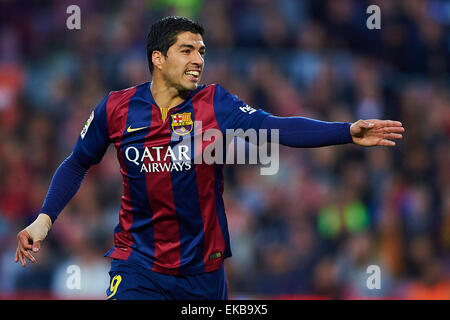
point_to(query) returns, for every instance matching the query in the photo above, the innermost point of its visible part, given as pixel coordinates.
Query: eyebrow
(190, 46)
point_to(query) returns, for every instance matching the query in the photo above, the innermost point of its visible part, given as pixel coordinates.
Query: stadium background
(308, 232)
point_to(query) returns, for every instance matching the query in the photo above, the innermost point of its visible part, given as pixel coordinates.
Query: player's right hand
(25, 245)
(29, 239)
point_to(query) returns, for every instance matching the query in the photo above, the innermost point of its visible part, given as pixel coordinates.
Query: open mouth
(192, 75)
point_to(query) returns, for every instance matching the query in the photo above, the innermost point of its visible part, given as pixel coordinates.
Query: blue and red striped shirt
(172, 216)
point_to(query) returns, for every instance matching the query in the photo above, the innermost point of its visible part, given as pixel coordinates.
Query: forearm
(65, 183)
(308, 133)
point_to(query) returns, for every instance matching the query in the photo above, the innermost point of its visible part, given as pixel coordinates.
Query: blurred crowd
(310, 231)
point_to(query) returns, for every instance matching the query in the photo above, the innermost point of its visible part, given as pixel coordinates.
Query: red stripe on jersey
(213, 238)
(166, 236)
(117, 112)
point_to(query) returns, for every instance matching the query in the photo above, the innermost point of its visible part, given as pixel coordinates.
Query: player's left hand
(374, 132)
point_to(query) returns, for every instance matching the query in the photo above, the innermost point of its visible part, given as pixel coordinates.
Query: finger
(16, 257)
(394, 129)
(21, 259)
(389, 123)
(28, 255)
(24, 240)
(386, 143)
(36, 246)
(392, 123)
(26, 246)
(386, 123)
(395, 136)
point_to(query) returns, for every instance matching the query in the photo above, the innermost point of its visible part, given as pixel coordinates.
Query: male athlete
(172, 235)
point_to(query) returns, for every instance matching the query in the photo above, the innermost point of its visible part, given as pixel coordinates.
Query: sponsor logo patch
(215, 255)
(87, 124)
(182, 123)
(129, 129)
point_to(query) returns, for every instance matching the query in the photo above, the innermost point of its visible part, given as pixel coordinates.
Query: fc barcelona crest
(182, 123)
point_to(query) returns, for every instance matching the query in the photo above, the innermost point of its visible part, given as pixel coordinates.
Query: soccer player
(172, 237)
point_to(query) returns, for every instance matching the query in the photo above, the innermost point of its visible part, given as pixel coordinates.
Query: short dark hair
(163, 34)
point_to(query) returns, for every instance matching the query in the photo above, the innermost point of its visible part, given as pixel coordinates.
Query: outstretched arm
(309, 133)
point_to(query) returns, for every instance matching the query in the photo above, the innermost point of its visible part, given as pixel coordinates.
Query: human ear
(157, 59)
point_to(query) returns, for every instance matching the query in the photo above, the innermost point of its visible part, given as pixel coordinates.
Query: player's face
(184, 63)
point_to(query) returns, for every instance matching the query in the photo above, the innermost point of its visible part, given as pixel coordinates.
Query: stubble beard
(182, 90)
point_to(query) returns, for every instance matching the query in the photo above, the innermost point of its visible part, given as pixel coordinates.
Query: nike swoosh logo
(135, 129)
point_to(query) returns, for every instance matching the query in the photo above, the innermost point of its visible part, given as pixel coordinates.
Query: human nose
(198, 59)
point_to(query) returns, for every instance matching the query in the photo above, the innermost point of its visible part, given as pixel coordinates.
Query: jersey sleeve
(309, 133)
(232, 113)
(94, 138)
(64, 185)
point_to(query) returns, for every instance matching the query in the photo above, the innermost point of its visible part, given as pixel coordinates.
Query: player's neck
(165, 96)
